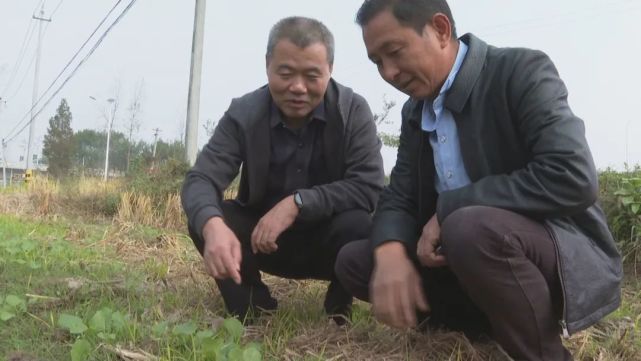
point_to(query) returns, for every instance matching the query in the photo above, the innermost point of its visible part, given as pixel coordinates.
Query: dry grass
(298, 330)
(93, 199)
(87, 198)
(135, 208)
(139, 209)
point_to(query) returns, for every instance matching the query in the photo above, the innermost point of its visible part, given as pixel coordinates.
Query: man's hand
(396, 289)
(272, 224)
(428, 245)
(222, 252)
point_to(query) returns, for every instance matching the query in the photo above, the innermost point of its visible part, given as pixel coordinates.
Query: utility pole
(109, 125)
(193, 102)
(4, 156)
(627, 132)
(34, 98)
(4, 163)
(156, 131)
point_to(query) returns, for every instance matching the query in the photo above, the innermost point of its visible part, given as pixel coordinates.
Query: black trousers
(501, 279)
(307, 250)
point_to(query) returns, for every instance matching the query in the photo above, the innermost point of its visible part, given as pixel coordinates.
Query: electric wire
(23, 49)
(11, 136)
(66, 66)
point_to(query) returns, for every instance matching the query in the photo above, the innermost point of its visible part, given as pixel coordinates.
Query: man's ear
(442, 28)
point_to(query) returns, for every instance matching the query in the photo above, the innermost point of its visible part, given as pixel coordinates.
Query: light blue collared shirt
(439, 123)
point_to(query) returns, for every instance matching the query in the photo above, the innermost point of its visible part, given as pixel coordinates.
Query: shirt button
(450, 175)
(300, 145)
(298, 170)
(442, 139)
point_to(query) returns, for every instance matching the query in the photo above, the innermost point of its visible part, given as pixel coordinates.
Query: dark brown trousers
(307, 250)
(501, 279)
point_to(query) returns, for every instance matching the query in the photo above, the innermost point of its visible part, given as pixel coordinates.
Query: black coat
(242, 137)
(524, 151)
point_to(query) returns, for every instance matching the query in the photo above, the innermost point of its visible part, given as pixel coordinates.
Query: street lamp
(110, 121)
(110, 124)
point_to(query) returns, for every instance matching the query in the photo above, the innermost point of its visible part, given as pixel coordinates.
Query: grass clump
(104, 271)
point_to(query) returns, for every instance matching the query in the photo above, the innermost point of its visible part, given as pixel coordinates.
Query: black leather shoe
(338, 303)
(244, 301)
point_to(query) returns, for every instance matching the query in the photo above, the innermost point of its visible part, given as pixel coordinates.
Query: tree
(90, 149)
(391, 140)
(58, 142)
(133, 123)
(210, 127)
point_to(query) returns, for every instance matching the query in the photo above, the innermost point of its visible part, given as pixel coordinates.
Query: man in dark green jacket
(311, 175)
(490, 223)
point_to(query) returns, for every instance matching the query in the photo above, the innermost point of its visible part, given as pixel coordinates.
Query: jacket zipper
(563, 320)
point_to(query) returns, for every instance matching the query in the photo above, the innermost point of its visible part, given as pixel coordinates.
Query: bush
(621, 200)
(159, 182)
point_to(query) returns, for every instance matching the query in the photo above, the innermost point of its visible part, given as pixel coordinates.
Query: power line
(56, 8)
(82, 46)
(24, 77)
(26, 72)
(70, 61)
(23, 49)
(91, 51)
(36, 79)
(39, 5)
(558, 19)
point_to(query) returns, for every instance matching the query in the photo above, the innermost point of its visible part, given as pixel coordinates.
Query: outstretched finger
(237, 257)
(231, 268)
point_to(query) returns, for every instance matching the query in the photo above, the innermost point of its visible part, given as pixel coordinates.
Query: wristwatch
(298, 200)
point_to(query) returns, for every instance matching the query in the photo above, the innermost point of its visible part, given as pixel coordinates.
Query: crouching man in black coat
(491, 218)
(311, 175)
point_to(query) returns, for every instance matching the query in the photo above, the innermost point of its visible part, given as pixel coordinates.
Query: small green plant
(106, 327)
(626, 221)
(11, 306)
(156, 269)
(221, 344)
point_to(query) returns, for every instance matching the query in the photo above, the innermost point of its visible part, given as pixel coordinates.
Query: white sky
(594, 43)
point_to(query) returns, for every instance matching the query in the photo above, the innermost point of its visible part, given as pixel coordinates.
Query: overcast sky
(594, 43)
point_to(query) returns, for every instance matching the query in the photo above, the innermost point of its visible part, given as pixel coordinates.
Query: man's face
(298, 78)
(416, 64)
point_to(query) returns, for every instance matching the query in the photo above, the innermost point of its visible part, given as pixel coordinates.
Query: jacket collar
(254, 110)
(469, 73)
(276, 115)
(465, 80)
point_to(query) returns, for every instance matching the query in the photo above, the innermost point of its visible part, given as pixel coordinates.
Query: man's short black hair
(302, 32)
(413, 13)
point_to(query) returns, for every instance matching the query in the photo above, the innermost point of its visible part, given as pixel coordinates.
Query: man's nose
(389, 71)
(298, 85)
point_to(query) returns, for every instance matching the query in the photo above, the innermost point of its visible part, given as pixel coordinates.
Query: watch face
(298, 200)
